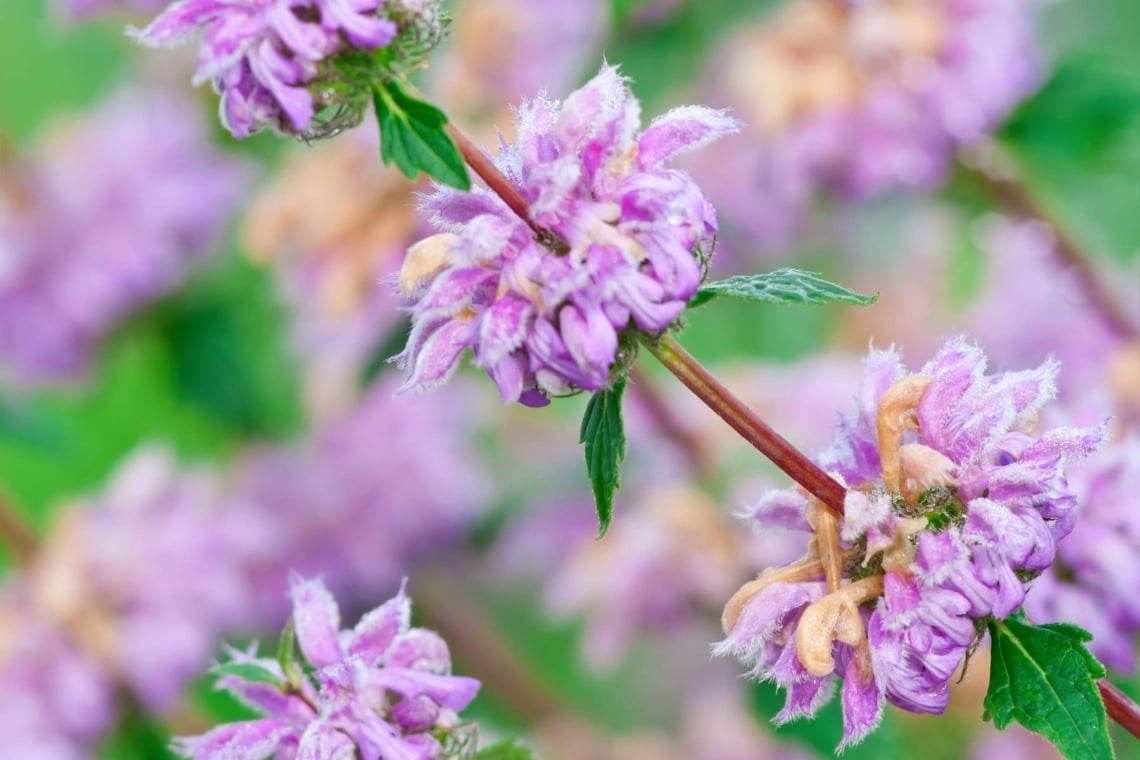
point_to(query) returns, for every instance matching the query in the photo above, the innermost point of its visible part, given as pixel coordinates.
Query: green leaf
(1084, 112)
(1043, 677)
(784, 286)
(210, 364)
(505, 750)
(287, 655)
(603, 432)
(247, 671)
(412, 136)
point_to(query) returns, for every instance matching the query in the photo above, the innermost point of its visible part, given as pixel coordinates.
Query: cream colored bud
(424, 260)
(922, 467)
(896, 416)
(834, 618)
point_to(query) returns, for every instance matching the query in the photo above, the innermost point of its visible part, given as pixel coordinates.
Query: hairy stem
(15, 532)
(1120, 708)
(745, 422)
(1018, 199)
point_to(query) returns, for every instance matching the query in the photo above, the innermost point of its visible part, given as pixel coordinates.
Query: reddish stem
(744, 421)
(1120, 708)
(495, 179)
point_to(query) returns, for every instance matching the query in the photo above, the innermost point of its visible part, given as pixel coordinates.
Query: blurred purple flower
(106, 216)
(380, 690)
(57, 700)
(861, 98)
(130, 590)
(543, 320)
(1098, 570)
(393, 480)
(272, 60)
(955, 505)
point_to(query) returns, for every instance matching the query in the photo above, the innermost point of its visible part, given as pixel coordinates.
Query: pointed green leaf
(784, 286)
(247, 671)
(412, 136)
(1043, 677)
(603, 432)
(505, 750)
(287, 655)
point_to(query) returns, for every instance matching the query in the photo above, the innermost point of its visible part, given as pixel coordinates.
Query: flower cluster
(299, 66)
(858, 98)
(621, 246)
(107, 215)
(380, 690)
(956, 504)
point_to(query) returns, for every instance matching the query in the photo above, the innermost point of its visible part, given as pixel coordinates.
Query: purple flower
(381, 690)
(106, 216)
(624, 245)
(273, 61)
(956, 503)
(856, 99)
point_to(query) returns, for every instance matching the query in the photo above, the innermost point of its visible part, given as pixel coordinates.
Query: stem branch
(1002, 183)
(1120, 708)
(744, 421)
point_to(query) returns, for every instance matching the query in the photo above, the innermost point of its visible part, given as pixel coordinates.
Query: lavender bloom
(630, 243)
(1098, 568)
(381, 690)
(106, 216)
(276, 62)
(956, 503)
(57, 700)
(856, 99)
(335, 505)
